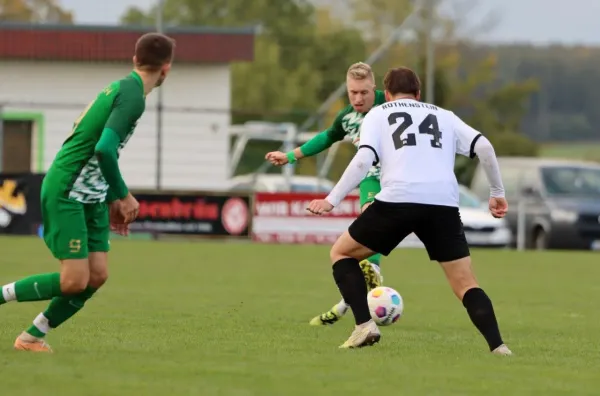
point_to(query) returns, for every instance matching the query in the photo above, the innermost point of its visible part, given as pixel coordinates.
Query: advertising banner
(283, 218)
(20, 211)
(193, 214)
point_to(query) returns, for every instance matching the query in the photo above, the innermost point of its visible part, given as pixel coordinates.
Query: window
(578, 181)
(16, 147)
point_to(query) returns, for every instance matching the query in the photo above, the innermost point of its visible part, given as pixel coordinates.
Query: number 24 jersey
(416, 144)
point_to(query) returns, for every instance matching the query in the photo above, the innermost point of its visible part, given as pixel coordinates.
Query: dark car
(559, 198)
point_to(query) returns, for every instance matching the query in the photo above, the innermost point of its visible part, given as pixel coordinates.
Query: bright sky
(537, 21)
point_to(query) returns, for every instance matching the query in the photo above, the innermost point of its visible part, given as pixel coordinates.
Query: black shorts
(383, 225)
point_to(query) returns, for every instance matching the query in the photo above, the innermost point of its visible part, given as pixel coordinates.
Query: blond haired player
(363, 96)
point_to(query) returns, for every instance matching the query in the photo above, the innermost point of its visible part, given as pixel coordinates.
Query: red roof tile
(115, 44)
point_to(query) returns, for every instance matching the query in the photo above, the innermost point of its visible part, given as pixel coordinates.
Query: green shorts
(72, 229)
(369, 187)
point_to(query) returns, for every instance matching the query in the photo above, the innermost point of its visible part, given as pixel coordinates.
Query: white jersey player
(416, 144)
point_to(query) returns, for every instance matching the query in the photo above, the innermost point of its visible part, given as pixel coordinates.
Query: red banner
(283, 218)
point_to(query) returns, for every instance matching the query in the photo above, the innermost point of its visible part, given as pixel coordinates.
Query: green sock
(375, 259)
(59, 311)
(33, 288)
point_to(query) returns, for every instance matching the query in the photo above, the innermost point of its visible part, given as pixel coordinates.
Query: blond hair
(360, 71)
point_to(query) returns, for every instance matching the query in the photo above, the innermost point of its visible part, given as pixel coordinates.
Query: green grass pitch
(196, 318)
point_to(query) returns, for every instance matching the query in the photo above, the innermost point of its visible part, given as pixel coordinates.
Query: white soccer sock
(341, 308)
(42, 323)
(8, 292)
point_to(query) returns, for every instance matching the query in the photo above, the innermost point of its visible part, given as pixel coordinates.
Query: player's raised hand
(129, 209)
(277, 158)
(498, 207)
(319, 206)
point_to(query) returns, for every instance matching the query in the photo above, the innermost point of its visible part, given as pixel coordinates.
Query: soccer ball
(386, 305)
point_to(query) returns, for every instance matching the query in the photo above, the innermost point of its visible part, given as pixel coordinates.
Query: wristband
(291, 157)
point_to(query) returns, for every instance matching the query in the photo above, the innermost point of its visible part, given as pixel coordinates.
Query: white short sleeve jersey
(416, 144)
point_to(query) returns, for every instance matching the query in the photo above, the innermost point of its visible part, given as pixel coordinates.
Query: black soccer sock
(351, 282)
(481, 311)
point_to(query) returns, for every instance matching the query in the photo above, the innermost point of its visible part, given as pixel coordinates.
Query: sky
(535, 21)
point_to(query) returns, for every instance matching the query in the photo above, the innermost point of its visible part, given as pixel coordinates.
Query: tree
(377, 19)
(470, 87)
(300, 55)
(34, 11)
(565, 107)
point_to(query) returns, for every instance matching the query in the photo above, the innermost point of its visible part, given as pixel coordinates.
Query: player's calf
(345, 256)
(474, 299)
(98, 266)
(65, 307)
(373, 279)
(72, 279)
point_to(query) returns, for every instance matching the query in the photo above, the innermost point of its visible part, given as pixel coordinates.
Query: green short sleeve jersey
(75, 171)
(348, 122)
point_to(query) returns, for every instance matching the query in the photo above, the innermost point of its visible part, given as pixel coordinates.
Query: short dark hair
(402, 80)
(153, 51)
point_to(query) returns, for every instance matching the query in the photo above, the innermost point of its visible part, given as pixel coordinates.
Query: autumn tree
(294, 63)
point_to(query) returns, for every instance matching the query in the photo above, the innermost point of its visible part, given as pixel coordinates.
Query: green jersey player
(83, 193)
(360, 83)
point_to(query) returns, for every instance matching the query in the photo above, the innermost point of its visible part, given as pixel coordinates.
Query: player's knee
(335, 256)
(73, 284)
(460, 276)
(74, 276)
(98, 277)
(346, 247)
(337, 251)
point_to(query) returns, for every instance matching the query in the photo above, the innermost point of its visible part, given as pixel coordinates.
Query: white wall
(195, 144)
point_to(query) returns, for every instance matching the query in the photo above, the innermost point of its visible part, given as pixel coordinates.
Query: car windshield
(572, 181)
(468, 200)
